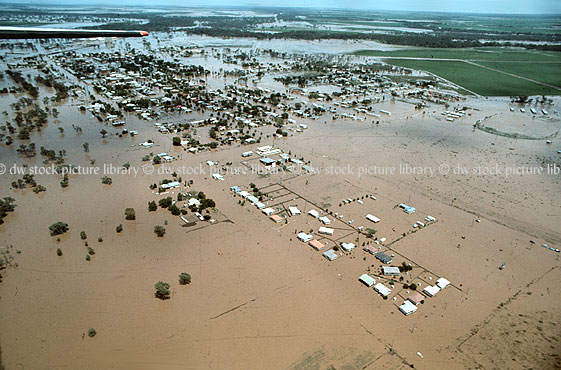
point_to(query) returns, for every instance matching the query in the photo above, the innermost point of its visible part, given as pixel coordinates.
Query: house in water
(382, 289)
(384, 258)
(372, 218)
(276, 218)
(305, 237)
(367, 280)
(431, 290)
(313, 213)
(390, 270)
(316, 244)
(330, 255)
(407, 308)
(294, 211)
(325, 230)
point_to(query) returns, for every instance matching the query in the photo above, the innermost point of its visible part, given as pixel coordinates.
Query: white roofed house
(431, 290)
(193, 202)
(390, 270)
(442, 283)
(348, 246)
(330, 255)
(313, 213)
(325, 220)
(372, 218)
(407, 308)
(382, 289)
(367, 280)
(325, 230)
(294, 211)
(268, 211)
(304, 237)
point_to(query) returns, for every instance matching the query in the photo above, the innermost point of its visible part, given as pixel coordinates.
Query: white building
(407, 308)
(325, 220)
(330, 255)
(442, 283)
(305, 237)
(372, 218)
(294, 211)
(313, 213)
(431, 290)
(326, 230)
(382, 289)
(367, 280)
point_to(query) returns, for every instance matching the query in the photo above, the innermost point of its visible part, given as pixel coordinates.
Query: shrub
(83, 235)
(152, 206)
(413, 286)
(162, 290)
(58, 228)
(119, 228)
(59, 252)
(106, 180)
(91, 251)
(176, 141)
(130, 214)
(159, 230)
(91, 332)
(88, 258)
(100, 239)
(184, 278)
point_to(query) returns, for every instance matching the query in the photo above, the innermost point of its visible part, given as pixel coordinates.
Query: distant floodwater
(281, 45)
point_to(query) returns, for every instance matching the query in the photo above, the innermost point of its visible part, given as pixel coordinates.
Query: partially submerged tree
(58, 228)
(159, 230)
(162, 290)
(130, 214)
(184, 278)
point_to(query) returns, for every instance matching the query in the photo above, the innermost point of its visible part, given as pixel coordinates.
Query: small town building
(382, 289)
(367, 280)
(276, 218)
(326, 230)
(372, 218)
(431, 290)
(316, 244)
(384, 258)
(407, 308)
(330, 255)
(390, 270)
(305, 237)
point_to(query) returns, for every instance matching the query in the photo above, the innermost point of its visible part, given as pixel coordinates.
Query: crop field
(473, 54)
(469, 68)
(549, 73)
(477, 79)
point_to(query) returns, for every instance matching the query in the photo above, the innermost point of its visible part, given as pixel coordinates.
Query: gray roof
(384, 258)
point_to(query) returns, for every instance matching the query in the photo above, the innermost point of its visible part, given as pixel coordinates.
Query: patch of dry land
(259, 297)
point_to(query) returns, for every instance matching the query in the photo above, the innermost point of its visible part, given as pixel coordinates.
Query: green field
(478, 79)
(549, 73)
(541, 66)
(475, 54)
